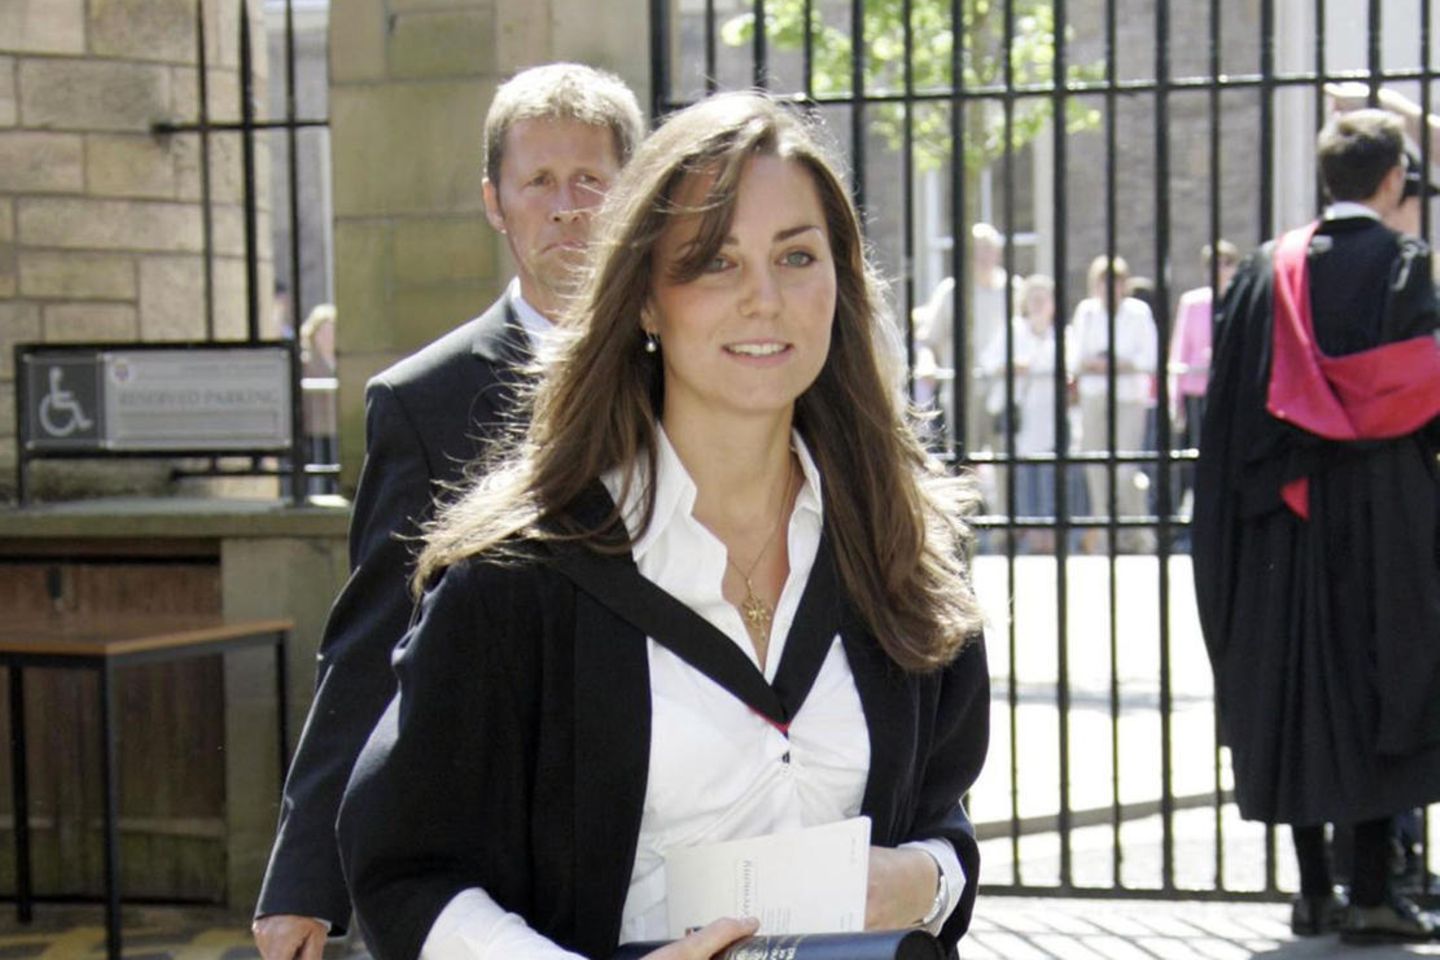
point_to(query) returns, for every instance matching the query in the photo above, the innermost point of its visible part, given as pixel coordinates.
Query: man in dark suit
(1316, 530)
(555, 137)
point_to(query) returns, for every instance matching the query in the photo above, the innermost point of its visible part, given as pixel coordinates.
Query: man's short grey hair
(563, 91)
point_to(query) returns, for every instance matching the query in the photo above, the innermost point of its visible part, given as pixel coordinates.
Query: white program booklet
(803, 881)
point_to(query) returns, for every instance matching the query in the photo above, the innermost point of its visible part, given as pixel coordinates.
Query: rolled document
(874, 945)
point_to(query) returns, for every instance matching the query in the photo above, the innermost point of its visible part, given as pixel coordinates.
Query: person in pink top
(1190, 354)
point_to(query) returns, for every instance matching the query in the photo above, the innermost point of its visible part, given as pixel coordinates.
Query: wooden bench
(104, 644)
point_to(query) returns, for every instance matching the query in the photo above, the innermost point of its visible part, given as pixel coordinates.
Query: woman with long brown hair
(717, 591)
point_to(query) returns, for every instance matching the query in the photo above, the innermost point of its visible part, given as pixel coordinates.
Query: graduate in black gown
(718, 591)
(1315, 530)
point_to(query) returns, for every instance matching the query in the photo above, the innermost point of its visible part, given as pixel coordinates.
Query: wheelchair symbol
(60, 413)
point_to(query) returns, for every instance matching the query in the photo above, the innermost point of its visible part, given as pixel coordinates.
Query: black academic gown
(1324, 633)
(515, 756)
(426, 420)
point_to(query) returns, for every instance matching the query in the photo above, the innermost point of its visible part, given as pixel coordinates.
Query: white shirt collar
(537, 326)
(675, 491)
(1347, 209)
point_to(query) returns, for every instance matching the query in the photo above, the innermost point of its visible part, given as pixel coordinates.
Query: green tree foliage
(983, 61)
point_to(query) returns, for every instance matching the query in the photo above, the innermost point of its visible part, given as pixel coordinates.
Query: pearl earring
(652, 342)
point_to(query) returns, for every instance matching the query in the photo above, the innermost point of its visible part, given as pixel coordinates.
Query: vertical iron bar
(299, 448)
(857, 98)
(807, 49)
(959, 266)
(1162, 421)
(207, 215)
(1216, 68)
(1060, 99)
(712, 82)
(1320, 78)
(1111, 302)
(1267, 119)
(760, 69)
(20, 793)
(247, 155)
(660, 56)
(907, 182)
(1426, 154)
(1374, 54)
(1267, 228)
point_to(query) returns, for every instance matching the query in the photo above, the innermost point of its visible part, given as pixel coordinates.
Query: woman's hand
(708, 940)
(901, 889)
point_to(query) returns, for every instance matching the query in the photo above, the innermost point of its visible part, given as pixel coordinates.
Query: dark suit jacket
(516, 756)
(425, 418)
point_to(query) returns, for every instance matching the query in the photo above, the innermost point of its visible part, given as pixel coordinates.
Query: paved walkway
(1005, 928)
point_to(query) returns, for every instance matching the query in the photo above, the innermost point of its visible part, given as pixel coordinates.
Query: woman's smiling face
(752, 331)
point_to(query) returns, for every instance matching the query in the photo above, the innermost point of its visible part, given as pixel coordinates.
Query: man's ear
(493, 212)
(1395, 185)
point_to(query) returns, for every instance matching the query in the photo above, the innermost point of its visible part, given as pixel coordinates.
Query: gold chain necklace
(756, 611)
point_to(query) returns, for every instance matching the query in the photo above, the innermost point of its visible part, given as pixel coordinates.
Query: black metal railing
(318, 476)
(1085, 49)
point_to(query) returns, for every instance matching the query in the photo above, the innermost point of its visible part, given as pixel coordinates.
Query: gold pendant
(755, 610)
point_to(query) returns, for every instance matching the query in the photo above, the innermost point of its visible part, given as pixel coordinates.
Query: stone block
(420, 314)
(84, 322)
(228, 223)
(222, 94)
(412, 6)
(523, 39)
(357, 42)
(130, 165)
(143, 30)
(7, 220)
(76, 223)
(32, 162)
(362, 279)
(408, 148)
(611, 42)
(434, 250)
(7, 92)
(19, 323)
(446, 43)
(43, 26)
(7, 413)
(232, 308)
(74, 94)
(172, 298)
(77, 276)
(356, 369)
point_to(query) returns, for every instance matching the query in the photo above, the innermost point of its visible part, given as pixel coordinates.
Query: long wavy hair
(894, 519)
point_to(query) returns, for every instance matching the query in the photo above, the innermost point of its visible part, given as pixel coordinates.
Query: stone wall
(100, 219)
(410, 83)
